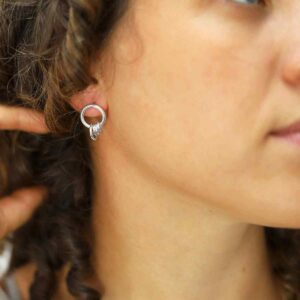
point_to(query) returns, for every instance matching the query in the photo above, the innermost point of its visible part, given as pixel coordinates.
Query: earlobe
(91, 95)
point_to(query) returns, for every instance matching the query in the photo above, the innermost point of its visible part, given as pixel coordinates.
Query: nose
(291, 43)
(291, 66)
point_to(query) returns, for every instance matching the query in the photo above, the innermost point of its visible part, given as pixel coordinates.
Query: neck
(151, 242)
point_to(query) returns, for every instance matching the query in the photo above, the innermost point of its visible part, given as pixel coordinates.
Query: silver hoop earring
(96, 128)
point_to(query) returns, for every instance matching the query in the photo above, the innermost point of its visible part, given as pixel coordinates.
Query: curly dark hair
(42, 69)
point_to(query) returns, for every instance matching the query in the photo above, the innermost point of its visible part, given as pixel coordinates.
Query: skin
(18, 207)
(186, 171)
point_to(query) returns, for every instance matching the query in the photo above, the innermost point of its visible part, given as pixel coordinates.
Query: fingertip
(32, 195)
(43, 128)
(44, 191)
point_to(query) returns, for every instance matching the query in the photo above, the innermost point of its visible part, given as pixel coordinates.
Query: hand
(18, 207)
(19, 118)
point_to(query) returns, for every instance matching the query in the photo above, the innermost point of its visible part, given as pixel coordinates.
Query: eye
(247, 8)
(250, 2)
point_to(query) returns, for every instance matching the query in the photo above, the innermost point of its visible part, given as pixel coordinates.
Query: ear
(91, 95)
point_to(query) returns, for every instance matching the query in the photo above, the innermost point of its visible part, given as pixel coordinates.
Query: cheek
(187, 95)
(186, 111)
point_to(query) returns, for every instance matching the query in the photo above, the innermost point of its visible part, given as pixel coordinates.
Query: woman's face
(198, 86)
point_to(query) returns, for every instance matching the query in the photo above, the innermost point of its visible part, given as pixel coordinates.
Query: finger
(20, 118)
(18, 207)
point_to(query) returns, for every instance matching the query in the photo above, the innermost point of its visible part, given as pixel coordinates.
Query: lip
(291, 129)
(290, 133)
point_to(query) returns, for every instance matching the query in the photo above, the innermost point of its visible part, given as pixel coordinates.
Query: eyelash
(261, 3)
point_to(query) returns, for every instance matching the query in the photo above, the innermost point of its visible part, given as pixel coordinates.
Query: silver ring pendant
(96, 128)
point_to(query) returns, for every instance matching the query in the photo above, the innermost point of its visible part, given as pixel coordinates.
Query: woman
(192, 190)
